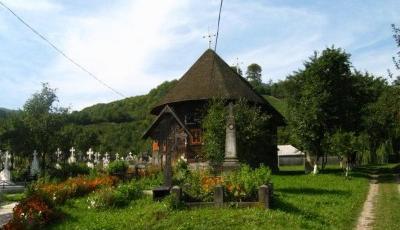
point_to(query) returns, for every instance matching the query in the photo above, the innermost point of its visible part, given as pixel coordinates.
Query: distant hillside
(278, 104)
(6, 112)
(119, 125)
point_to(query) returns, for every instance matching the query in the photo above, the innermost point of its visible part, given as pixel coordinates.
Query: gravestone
(230, 162)
(58, 154)
(89, 163)
(106, 161)
(72, 159)
(97, 157)
(5, 174)
(35, 170)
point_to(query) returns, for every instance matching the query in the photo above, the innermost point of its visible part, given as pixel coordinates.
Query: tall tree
(253, 76)
(43, 119)
(321, 101)
(396, 61)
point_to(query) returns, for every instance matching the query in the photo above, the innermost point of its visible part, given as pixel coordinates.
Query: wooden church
(177, 131)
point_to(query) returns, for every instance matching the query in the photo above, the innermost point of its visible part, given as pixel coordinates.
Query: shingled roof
(211, 77)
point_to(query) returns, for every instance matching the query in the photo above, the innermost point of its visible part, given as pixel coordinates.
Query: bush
(243, 184)
(19, 174)
(31, 213)
(181, 171)
(152, 181)
(196, 186)
(117, 167)
(69, 170)
(115, 197)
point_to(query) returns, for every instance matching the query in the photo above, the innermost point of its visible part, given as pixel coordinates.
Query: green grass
(325, 201)
(11, 197)
(387, 211)
(279, 104)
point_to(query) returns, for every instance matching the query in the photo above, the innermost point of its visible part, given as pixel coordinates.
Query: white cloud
(36, 5)
(117, 45)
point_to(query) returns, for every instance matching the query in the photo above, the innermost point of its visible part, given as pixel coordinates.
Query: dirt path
(366, 218)
(6, 213)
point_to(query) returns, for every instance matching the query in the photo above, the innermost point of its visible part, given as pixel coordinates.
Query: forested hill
(5, 112)
(116, 126)
(126, 110)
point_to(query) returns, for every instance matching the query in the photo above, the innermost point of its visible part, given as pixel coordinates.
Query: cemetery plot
(301, 202)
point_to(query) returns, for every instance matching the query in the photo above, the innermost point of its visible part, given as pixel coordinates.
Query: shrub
(69, 170)
(117, 167)
(214, 133)
(243, 184)
(149, 182)
(181, 171)
(195, 187)
(31, 213)
(115, 197)
(19, 174)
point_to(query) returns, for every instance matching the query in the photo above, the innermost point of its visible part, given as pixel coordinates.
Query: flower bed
(241, 185)
(73, 187)
(39, 208)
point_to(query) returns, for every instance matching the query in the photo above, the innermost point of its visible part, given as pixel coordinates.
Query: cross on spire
(209, 36)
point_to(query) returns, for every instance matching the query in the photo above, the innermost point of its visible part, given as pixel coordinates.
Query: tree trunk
(309, 162)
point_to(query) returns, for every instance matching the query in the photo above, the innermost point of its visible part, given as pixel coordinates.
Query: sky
(135, 45)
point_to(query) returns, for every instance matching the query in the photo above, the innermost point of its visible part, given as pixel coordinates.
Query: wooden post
(218, 195)
(264, 196)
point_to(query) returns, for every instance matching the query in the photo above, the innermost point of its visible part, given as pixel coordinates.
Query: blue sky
(134, 45)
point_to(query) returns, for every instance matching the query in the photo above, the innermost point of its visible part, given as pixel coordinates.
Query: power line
(219, 19)
(61, 52)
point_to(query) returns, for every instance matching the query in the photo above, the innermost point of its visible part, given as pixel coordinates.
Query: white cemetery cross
(58, 154)
(72, 158)
(106, 161)
(5, 174)
(89, 162)
(35, 170)
(90, 153)
(129, 157)
(97, 158)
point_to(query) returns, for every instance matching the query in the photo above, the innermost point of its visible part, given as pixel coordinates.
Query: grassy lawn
(7, 198)
(325, 201)
(387, 211)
